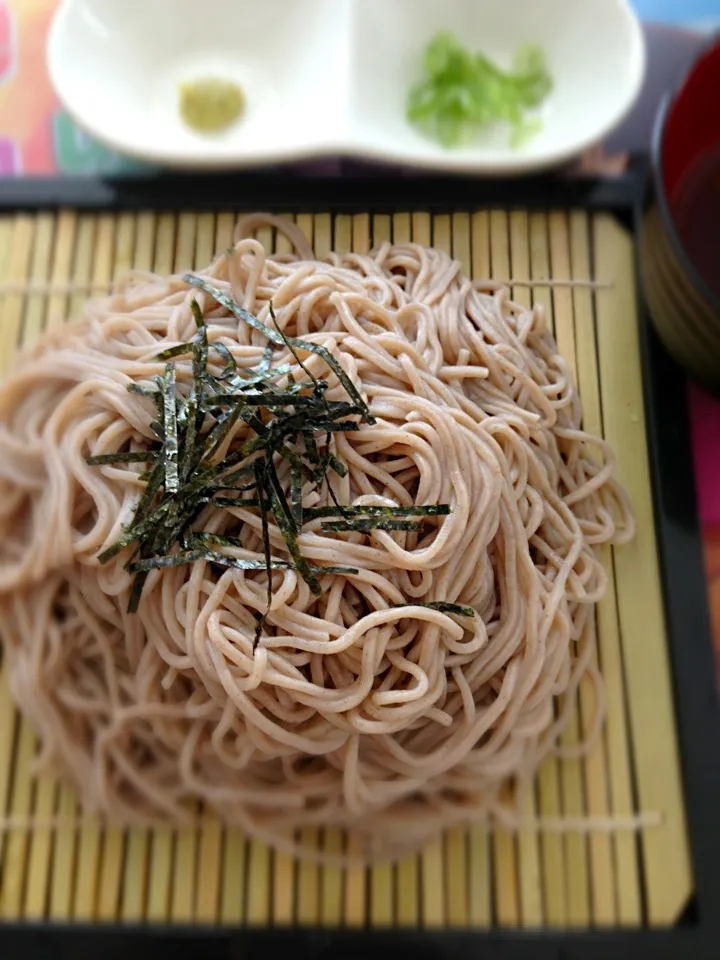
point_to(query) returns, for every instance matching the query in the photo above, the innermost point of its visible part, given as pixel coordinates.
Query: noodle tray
(613, 845)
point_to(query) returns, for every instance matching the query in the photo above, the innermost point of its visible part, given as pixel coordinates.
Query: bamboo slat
(479, 843)
(571, 770)
(506, 881)
(554, 877)
(161, 843)
(136, 241)
(407, 883)
(73, 263)
(94, 856)
(57, 865)
(16, 739)
(602, 887)
(451, 234)
(637, 580)
(260, 864)
(531, 906)
(431, 885)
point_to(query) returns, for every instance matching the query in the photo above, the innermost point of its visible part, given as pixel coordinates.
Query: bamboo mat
(603, 840)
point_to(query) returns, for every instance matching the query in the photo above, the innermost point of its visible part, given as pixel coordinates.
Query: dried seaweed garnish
(259, 467)
(190, 422)
(430, 510)
(204, 536)
(230, 368)
(296, 507)
(170, 446)
(198, 463)
(277, 337)
(228, 480)
(310, 446)
(191, 556)
(219, 433)
(130, 456)
(232, 502)
(367, 524)
(264, 365)
(333, 426)
(172, 353)
(138, 388)
(136, 532)
(277, 494)
(136, 590)
(285, 525)
(154, 482)
(268, 400)
(197, 315)
(443, 606)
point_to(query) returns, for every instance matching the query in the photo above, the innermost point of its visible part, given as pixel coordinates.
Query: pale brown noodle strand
(390, 723)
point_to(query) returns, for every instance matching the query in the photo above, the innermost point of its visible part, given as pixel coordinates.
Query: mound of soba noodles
(357, 707)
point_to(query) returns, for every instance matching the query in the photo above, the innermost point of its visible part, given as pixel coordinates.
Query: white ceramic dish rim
(354, 149)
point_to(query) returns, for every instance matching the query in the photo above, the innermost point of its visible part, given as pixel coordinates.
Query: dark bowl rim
(661, 196)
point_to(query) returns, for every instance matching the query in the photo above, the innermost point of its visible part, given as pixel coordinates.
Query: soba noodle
(393, 723)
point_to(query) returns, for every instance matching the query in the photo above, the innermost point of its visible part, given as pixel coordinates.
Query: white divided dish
(327, 77)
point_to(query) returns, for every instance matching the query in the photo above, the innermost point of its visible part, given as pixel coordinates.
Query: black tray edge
(286, 191)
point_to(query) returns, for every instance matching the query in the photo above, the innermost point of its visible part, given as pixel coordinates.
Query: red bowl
(680, 242)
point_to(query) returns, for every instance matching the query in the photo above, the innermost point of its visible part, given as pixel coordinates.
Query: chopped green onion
(463, 93)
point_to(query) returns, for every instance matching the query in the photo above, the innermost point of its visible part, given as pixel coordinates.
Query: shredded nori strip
(277, 494)
(191, 427)
(269, 400)
(286, 529)
(296, 507)
(135, 532)
(197, 314)
(150, 392)
(155, 480)
(172, 353)
(136, 590)
(231, 502)
(199, 352)
(259, 482)
(430, 510)
(333, 426)
(280, 339)
(190, 556)
(219, 432)
(203, 536)
(230, 368)
(135, 456)
(367, 524)
(310, 446)
(266, 361)
(170, 447)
